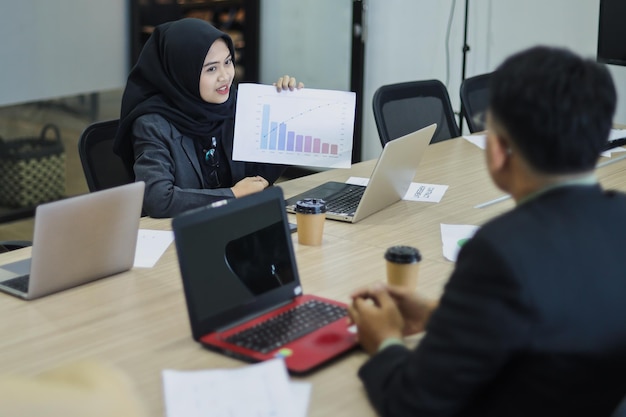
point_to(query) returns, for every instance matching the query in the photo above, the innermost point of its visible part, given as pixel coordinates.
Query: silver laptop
(78, 240)
(389, 182)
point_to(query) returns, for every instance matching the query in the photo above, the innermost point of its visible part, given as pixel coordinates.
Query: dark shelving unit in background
(238, 18)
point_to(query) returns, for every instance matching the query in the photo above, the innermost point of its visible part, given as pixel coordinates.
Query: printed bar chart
(303, 127)
(286, 138)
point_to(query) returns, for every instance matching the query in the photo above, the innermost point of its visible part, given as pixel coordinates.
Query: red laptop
(242, 287)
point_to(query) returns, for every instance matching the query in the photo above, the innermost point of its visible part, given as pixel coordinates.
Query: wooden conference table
(138, 320)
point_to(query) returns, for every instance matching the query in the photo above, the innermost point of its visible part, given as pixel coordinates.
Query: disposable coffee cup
(310, 216)
(402, 266)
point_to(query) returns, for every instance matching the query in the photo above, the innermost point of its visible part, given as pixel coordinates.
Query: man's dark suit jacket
(531, 323)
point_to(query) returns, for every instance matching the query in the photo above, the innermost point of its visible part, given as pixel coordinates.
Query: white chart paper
(305, 127)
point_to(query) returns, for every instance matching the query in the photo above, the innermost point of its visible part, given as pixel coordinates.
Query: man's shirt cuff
(390, 341)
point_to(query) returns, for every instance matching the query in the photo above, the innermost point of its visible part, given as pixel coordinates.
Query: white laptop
(78, 240)
(389, 182)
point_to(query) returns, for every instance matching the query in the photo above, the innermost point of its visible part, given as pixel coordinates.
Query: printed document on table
(260, 390)
(454, 236)
(151, 244)
(478, 140)
(306, 127)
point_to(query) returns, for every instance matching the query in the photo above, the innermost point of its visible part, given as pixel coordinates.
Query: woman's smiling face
(217, 73)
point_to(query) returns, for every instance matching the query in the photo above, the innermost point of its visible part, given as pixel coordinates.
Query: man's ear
(499, 152)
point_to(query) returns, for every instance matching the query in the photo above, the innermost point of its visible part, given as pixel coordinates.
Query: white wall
(309, 39)
(407, 41)
(619, 76)
(61, 48)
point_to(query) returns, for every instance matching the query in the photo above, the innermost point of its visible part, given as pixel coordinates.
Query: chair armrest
(9, 245)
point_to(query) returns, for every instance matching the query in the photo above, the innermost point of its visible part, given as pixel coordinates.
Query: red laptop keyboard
(288, 326)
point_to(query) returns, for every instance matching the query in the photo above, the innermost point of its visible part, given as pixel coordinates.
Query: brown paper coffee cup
(310, 217)
(402, 266)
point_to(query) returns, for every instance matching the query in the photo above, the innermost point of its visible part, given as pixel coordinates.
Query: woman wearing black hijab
(177, 121)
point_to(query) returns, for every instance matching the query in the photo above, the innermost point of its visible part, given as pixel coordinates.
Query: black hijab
(166, 81)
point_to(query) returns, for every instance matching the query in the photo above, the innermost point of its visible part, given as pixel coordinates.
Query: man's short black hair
(557, 107)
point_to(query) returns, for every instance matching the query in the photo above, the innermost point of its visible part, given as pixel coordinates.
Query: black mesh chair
(474, 101)
(403, 108)
(103, 168)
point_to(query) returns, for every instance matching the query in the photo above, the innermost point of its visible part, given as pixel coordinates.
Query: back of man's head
(556, 106)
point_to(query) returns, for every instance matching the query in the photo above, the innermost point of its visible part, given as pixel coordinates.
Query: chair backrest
(102, 167)
(403, 108)
(474, 101)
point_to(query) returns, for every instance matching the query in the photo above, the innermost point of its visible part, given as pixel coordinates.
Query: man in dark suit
(533, 319)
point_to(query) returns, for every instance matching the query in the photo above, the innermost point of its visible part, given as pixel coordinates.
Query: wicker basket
(32, 170)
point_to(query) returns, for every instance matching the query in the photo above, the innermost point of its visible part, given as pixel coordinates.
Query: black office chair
(474, 101)
(9, 245)
(403, 108)
(102, 167)
(621, 409)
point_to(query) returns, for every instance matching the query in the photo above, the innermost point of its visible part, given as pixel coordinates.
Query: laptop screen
(259, 259)
(236, 259)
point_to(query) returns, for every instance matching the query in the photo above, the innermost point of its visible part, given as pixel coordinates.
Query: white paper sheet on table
(481, 141)
(610, 152)
(308, 127)
(478, 140)
(151, 244)
(260, 390)
(615, 134)
(430, 193)
(358, 181)
(453, 237)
